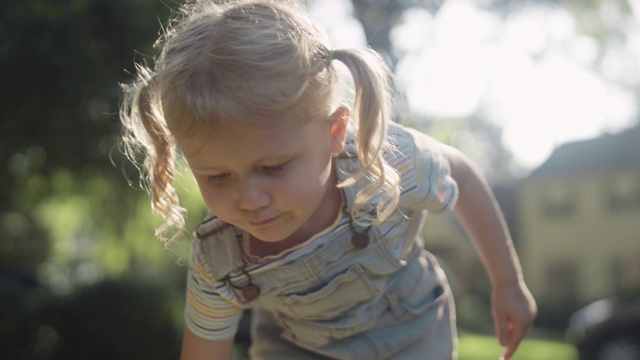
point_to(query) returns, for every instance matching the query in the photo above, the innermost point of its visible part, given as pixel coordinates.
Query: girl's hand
(514, 310)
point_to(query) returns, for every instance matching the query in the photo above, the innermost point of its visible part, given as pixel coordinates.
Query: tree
(61, 62)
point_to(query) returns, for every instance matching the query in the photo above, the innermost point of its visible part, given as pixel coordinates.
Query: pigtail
(149, 145)
(372, 110)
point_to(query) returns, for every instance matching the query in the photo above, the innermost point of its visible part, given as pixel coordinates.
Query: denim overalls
(345, 295)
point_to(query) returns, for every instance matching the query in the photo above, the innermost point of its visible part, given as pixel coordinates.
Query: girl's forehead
(202, 128)
(274, 138)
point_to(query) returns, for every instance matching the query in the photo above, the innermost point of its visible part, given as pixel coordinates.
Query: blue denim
(339, 301)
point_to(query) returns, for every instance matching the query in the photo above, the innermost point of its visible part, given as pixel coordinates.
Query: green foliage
(60, 63)
(63, 61)
(97, 226)
(65, 211)
(67, 215)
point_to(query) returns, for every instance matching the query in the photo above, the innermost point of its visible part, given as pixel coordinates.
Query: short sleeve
(208, 313)
(425, 173)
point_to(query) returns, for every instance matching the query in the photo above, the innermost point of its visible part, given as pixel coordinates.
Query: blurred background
(542, 95)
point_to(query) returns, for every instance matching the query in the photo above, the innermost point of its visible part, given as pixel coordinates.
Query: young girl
(315, 209)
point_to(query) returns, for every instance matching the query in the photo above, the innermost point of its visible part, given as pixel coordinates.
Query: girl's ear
(339, 120)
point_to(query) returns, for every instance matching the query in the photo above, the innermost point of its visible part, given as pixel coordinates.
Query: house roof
(607, 152)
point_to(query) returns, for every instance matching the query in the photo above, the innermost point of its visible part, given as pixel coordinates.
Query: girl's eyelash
(218, 177)
(267, 169)
(273, 168)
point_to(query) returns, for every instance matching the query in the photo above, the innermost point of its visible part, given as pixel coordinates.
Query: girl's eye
(217, 177)
(273, 169)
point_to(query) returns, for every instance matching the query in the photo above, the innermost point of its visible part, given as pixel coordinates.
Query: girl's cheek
(289, 185)
(210, 196)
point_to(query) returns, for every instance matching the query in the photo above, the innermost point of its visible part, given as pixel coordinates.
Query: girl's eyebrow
(275, 159)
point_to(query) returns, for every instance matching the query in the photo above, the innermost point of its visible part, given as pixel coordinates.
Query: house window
(560, 200)
(622, 193)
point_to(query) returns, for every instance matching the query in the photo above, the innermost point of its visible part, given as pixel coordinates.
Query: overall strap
(348, 164)
(220, 246)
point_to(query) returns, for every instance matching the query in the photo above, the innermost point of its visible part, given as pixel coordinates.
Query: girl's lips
(264, 222)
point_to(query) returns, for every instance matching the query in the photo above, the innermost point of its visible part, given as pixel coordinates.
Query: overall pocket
(343, 293)
(346, 306)
(423, 288)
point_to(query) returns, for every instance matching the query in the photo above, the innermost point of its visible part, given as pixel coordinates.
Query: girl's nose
(253, 195)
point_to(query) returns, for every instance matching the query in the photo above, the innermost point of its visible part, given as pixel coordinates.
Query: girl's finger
(502, 328)
(517, 333)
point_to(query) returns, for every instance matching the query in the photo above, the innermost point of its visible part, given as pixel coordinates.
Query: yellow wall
(573, 243)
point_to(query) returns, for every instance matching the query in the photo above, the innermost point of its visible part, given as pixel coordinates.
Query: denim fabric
(342, 302)
(399, 324)
(331, 299)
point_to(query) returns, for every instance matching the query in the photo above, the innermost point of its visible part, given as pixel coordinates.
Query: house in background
(575, 222)
(579, 221)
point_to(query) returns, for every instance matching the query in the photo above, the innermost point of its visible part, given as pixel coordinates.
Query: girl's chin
(268, 237)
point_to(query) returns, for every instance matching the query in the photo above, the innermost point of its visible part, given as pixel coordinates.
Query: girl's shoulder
(410, 144)
(423, 167)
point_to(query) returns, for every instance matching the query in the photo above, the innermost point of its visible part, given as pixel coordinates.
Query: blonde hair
(249, 63)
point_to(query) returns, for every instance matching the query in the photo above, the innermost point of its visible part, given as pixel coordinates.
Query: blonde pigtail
(145, 135)
(372, 112)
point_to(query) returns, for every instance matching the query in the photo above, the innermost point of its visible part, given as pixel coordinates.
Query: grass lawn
(481, 347)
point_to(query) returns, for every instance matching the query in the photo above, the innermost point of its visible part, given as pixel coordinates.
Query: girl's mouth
(263, 222)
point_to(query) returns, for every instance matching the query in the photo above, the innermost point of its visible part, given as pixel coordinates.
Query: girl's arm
(195, 348)
(513, 306)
